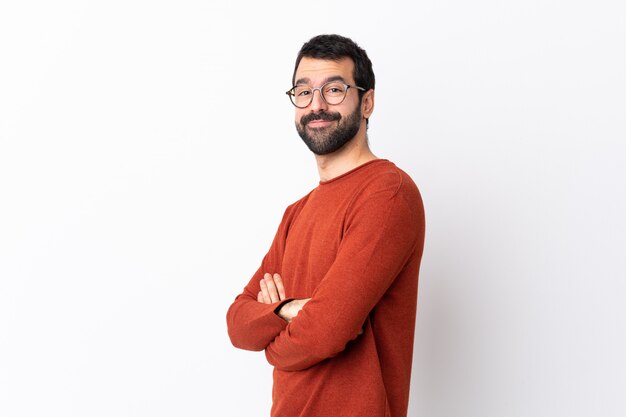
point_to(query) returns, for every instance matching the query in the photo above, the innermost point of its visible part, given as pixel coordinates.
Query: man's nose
(317, 102)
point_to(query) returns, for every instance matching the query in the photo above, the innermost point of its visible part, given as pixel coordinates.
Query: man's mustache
(329, 117)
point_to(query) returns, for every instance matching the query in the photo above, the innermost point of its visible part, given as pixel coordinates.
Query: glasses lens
(302, 96)
(334, 93)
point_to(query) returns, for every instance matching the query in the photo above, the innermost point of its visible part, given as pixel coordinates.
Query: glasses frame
(291, 93)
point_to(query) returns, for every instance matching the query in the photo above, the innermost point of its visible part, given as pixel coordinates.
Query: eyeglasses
(332, 93)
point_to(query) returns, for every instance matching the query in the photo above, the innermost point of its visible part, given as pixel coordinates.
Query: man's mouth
(319, 123)
(320, 120)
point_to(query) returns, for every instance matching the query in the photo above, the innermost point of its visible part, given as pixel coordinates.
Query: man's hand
(273, 290)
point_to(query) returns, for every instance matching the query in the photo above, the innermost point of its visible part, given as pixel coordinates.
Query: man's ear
(367, 104)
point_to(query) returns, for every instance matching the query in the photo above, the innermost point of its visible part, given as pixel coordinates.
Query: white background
(147, 152)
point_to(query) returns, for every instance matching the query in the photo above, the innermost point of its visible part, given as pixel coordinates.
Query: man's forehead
(313, 70)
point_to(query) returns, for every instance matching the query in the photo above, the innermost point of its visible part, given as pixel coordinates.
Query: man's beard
(325, 140)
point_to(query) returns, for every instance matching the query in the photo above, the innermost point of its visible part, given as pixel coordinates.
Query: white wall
(147, 153)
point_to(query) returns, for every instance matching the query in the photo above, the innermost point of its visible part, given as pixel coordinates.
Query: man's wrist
(280, 310)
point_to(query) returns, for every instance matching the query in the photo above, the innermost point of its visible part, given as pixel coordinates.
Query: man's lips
(320, 123)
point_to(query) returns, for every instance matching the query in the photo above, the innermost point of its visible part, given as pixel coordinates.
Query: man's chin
(320, 146)
(318, 134)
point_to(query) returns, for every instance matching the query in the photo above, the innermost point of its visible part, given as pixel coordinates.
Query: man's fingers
(279, 286)
(271, 288)
(264, 291)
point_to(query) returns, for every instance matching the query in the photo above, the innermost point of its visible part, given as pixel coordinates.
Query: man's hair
(335, 47)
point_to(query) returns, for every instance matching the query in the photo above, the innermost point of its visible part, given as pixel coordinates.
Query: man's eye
(303, 92)
(334, 89)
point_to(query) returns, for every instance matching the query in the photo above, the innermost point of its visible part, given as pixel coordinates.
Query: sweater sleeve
(253, 325)
(380, 235)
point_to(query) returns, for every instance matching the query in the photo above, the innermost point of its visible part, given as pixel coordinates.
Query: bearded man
(333, 302)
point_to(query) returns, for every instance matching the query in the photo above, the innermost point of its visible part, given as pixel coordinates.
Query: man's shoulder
(388, 177)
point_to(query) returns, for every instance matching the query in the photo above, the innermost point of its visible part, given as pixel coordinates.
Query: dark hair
(335, 47)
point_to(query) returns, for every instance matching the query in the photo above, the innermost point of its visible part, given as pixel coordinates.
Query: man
(333, 303)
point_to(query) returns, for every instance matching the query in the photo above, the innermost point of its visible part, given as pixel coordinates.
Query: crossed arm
(263, 318)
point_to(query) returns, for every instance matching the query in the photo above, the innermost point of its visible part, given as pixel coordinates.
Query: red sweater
(353, 245)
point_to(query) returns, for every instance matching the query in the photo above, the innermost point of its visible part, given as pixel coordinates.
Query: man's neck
(353, 154)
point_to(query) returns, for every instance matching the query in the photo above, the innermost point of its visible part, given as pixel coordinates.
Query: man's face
(326, 128)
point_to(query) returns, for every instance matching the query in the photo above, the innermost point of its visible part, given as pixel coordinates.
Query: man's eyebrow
(306, 80)
(334, 78)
